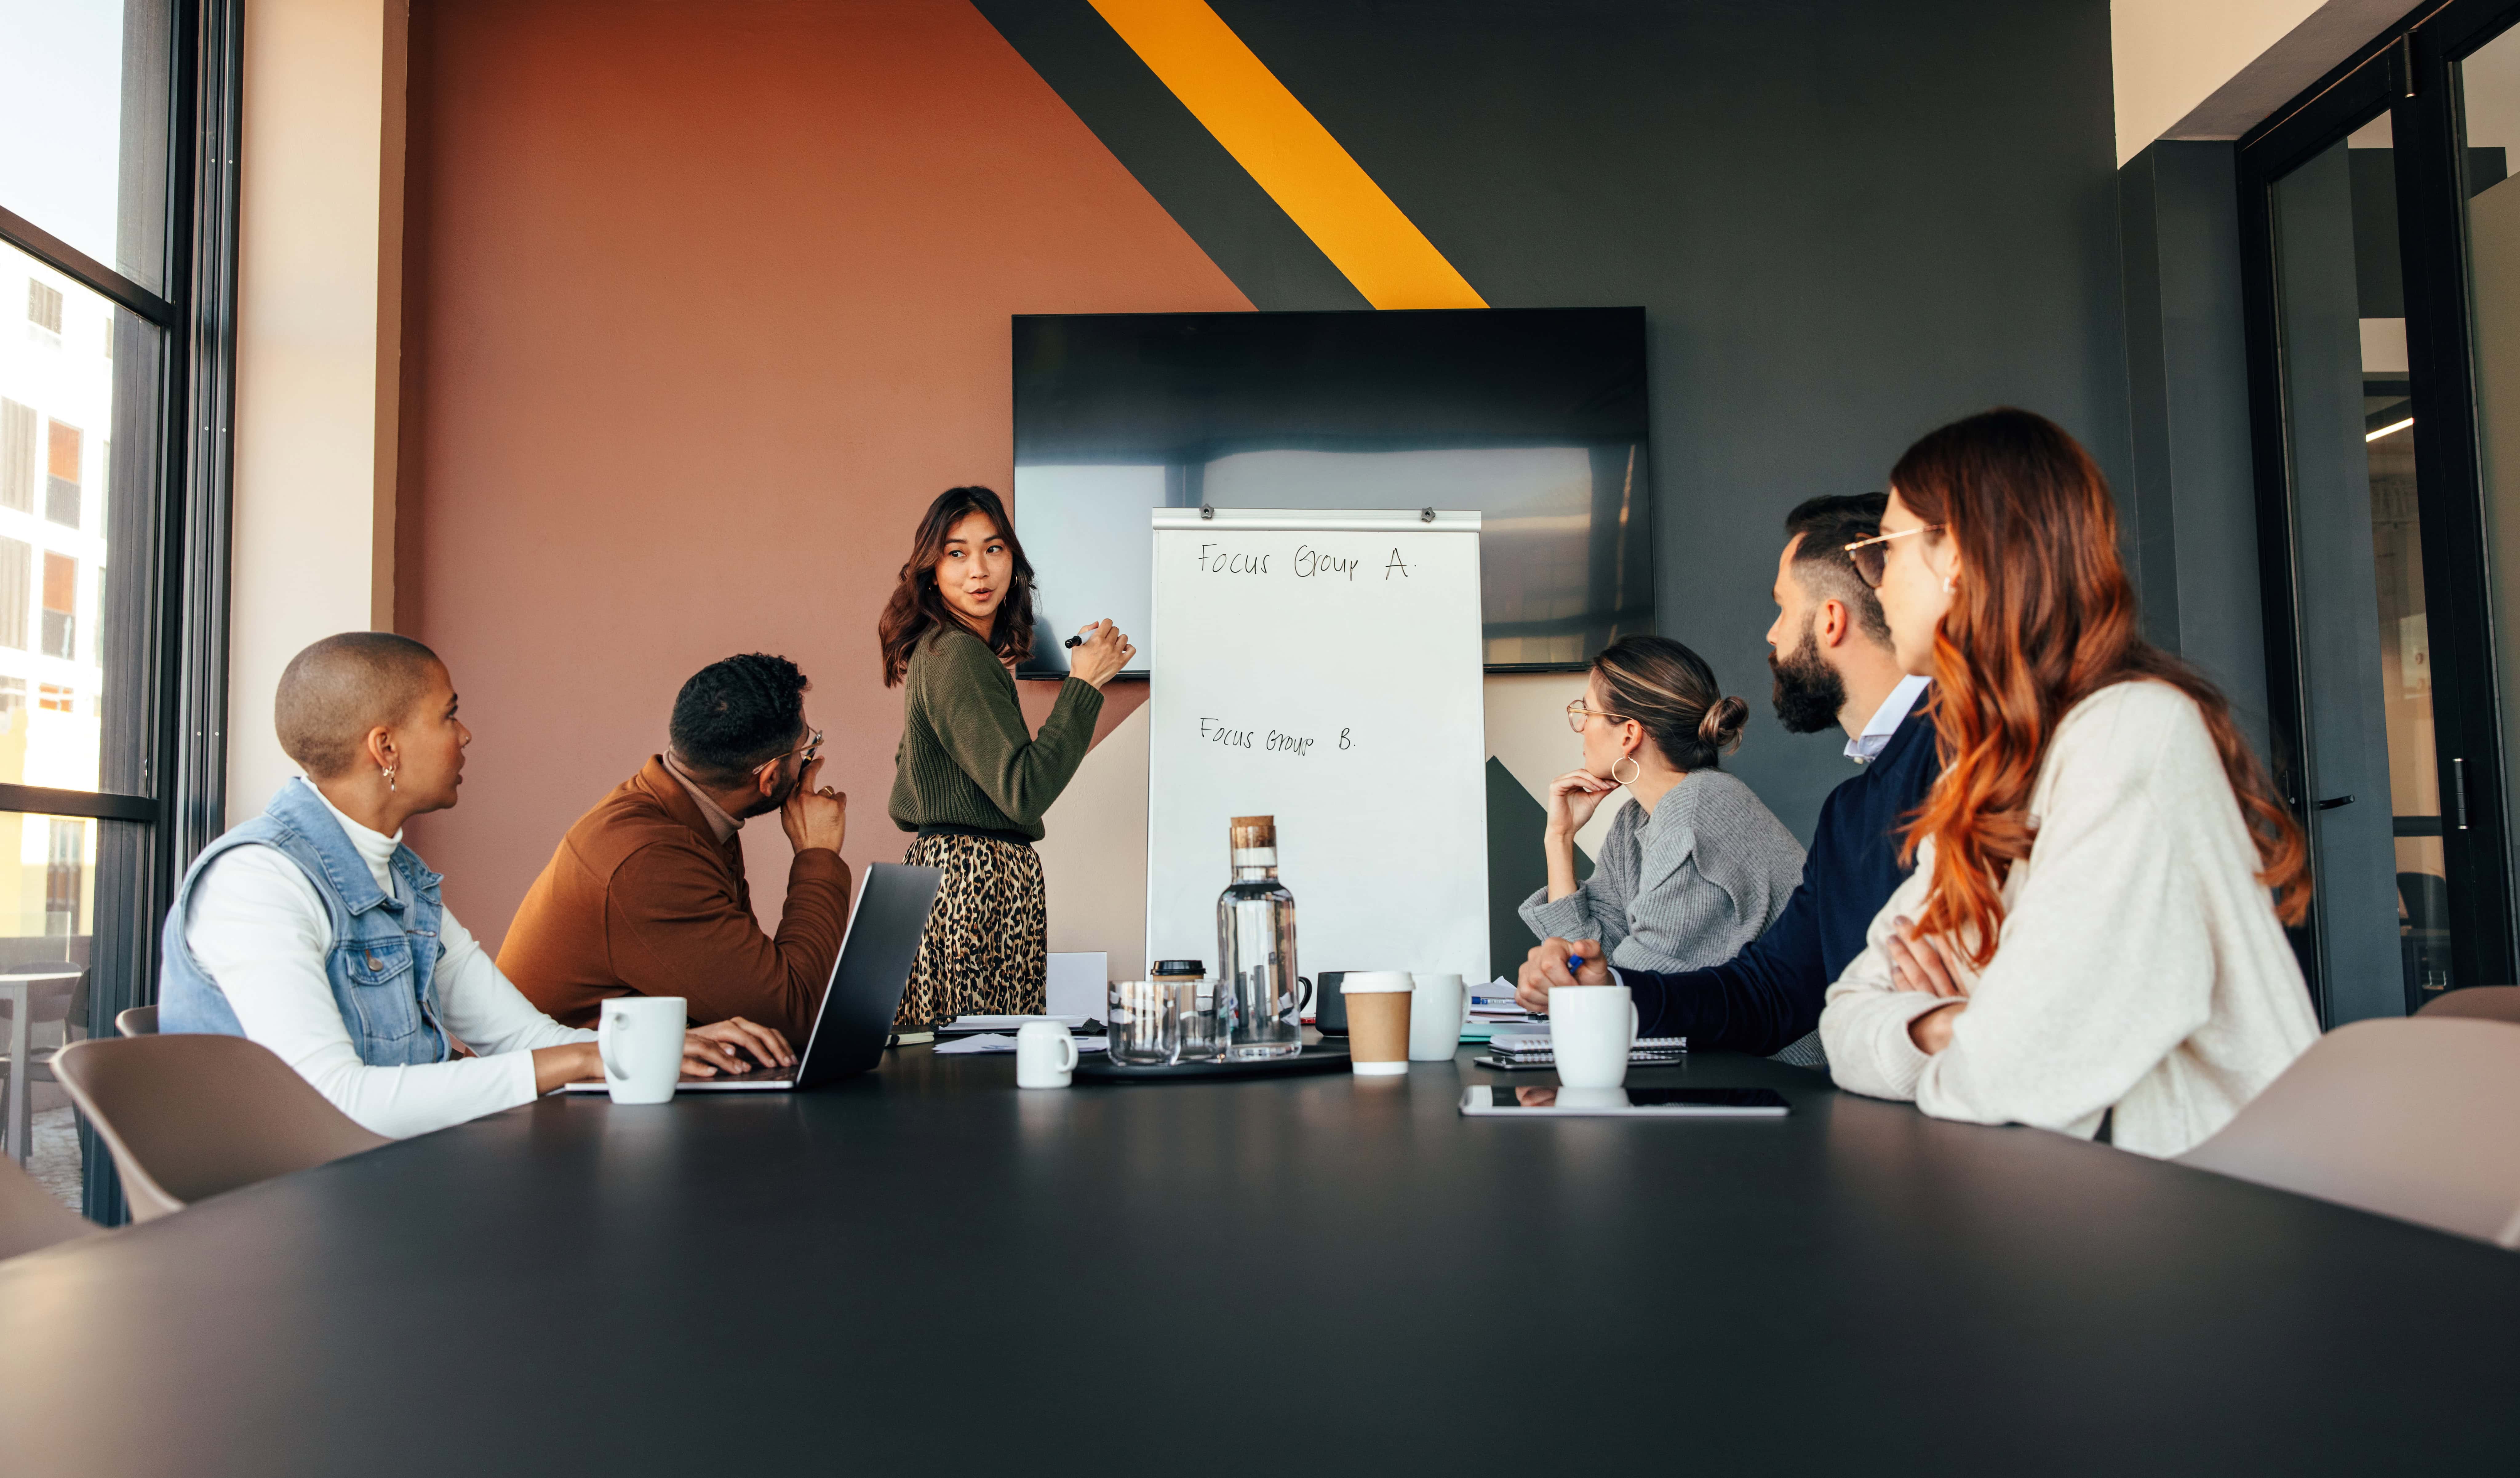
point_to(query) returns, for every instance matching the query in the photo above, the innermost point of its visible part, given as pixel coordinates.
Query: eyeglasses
(808, 749)
(1577, 713)
(1872, 560)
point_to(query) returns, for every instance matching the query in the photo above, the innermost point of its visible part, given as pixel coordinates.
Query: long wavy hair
(917, 607)
(2042, 617)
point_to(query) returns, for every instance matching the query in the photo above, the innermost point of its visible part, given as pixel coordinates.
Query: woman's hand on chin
(1573, 797)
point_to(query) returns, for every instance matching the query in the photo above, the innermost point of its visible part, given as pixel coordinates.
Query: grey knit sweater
(1683, 888)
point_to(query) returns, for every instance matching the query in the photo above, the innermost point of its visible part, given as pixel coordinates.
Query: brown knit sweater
(640, 900)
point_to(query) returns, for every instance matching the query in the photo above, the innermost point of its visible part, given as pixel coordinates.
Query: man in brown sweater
(647, 894)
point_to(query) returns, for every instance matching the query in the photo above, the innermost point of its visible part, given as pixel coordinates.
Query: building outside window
(61, 487)
(61, 605)
(16, 595)
(17, 456)
(44, 306)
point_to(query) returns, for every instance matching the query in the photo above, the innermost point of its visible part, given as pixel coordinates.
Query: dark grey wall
(1849, 222)
(2192, 526)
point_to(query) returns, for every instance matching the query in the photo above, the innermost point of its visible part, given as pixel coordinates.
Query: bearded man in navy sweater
(1830, 652)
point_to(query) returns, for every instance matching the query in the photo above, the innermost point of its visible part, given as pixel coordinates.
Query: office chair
(2415, 1119)
(138, 1021)
(191, 1115)
(2483, 1003)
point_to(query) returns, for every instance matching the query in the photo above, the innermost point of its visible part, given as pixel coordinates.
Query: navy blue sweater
(1769, 994)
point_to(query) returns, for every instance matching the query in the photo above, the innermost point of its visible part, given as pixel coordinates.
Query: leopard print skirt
(987, 948)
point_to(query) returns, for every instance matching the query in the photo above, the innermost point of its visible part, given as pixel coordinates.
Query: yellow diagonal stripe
(1288, 151)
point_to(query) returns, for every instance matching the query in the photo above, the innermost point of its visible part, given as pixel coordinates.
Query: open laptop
(856, 1014)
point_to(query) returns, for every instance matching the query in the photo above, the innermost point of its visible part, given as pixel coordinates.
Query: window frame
(170, 716)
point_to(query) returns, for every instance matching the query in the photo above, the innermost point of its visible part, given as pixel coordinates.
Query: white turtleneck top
(261, 931)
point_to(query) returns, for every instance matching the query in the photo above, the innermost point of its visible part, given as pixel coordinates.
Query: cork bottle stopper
(1251, 832)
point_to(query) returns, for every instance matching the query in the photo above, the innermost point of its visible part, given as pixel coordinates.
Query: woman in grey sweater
(1695, 867)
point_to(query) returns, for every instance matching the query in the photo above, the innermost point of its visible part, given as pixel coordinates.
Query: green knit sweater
(965, 757)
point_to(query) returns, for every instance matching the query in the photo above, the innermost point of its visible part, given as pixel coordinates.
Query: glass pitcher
(1259, 998)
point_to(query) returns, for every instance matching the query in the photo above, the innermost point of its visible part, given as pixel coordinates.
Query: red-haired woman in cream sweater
(2093, 940)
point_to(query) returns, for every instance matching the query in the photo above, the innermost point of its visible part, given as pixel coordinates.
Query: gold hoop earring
(387, 770)
(1628, 779)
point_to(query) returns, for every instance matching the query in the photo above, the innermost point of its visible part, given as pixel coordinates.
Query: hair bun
(1723, 724)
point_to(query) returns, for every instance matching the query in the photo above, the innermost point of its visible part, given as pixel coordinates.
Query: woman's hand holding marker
(1556, 962)
(1100, 652)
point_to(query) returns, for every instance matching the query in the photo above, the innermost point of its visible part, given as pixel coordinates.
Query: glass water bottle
(1255, 935)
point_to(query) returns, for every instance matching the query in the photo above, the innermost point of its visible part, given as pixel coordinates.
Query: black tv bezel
(1624, 417)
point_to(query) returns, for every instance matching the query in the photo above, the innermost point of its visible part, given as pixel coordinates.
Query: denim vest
(384, 961)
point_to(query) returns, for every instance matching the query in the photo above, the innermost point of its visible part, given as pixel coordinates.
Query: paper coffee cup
(1377, 1021)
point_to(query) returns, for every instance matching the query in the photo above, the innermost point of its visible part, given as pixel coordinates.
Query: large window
(115, 275)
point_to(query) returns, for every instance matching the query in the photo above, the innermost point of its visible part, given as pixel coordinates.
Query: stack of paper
(1492, 1004)
(999, 1042)
(965, 1025)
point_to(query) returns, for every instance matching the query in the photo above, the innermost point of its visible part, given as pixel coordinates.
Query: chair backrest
(137, 1021)
(30, 1216)
(2416, 1119)
(189, 1115)
(2426, 899)
(2487, 1002)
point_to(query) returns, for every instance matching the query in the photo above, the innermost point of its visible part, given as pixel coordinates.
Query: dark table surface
(925, 1270)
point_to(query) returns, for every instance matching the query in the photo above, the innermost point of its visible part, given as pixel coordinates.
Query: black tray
(1319, 1058)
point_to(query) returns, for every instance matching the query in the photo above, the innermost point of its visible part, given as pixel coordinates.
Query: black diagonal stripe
(1172, 155)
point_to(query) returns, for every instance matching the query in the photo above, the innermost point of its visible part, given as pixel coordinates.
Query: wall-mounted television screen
(1533, 418)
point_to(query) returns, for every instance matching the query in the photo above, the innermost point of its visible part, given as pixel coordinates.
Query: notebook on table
(1515, 1047)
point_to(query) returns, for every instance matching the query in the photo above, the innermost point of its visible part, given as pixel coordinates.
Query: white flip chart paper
(1323, 668)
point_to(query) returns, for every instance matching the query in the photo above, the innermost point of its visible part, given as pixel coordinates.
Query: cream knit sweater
(2140, 965)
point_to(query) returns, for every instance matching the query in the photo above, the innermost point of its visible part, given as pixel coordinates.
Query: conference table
(926, 1270)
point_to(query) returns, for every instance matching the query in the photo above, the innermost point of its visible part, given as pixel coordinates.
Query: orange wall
(704, 302)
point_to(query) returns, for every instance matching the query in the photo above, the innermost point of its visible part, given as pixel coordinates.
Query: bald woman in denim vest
(314, 930)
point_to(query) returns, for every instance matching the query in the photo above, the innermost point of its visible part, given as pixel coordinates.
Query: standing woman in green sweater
(971, 778)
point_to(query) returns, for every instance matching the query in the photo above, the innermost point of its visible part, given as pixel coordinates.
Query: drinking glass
(1145, 1019)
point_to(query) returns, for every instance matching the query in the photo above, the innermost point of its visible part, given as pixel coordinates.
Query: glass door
(2350, 401)
(2381, 253)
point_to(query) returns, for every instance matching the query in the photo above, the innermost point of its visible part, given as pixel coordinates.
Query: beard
(1809, 692)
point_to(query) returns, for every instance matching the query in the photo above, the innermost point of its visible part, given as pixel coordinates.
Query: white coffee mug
(1045, 1055)
(1591, 1028)
(640, 1040)
(1438, 1009)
